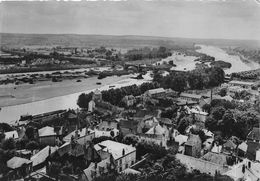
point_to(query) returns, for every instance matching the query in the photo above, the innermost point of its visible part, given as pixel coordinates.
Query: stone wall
(202, 165)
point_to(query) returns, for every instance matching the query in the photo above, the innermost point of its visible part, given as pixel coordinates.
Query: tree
(29, 132)
(218, 112)
(32, 145)
(8, 144)
(228, 123)
(183, 124)
(211, 124)
(223, 92)
(206, 107)
(84, 99)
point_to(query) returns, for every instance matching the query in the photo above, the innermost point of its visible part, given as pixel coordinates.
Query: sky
(229, 19)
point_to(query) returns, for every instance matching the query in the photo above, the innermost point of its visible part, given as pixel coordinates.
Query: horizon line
(155, 36)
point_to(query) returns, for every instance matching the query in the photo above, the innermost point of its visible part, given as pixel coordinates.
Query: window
(120, 169)
(126, 165)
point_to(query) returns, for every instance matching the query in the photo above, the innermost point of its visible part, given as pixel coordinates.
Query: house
(197, 112)
(245, 170)
(80, 135)
(128, 126)
(124, 155)
(181, 139)
(129, 100)
(11, 134)
(47, 136)
(252, 148)
(154, 93)
(190, 97)
(20, 167)
(254, 135)
(91, 106)
(193, 146)
(242, 149)
(229, 147)
(108, 124)
(216, 148)
(245, 85)
(97, 169)
(38, 160)
(207, 144)
(157, 134)
(108, 133)
(217, 158)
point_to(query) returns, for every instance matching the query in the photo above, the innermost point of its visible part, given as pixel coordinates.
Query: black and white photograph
(148, 90)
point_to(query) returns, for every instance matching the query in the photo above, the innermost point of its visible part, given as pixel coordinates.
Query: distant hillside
(128, 41)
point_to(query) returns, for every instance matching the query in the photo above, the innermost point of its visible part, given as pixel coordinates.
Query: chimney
(49, 150)
(123, 152)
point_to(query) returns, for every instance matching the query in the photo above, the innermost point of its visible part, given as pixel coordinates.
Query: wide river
(10, 114)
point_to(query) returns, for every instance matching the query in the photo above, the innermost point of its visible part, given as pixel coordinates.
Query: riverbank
(11, 114)
(12, 94)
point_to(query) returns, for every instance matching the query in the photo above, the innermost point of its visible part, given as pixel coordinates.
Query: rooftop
(193, 140)
(156, 91)
(156, 130)
(217, 158)
(241, 82)
(17, 162)
(11, 134)
(116, 149)
(41, 156)
(81, 133)
(46, 131)
(195, 96)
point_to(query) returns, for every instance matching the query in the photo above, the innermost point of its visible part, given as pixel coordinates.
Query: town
(171, 127)
(130, 90)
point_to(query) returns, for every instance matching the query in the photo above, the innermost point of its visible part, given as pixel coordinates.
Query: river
(237, 64)
(186, 63)
(10, 114)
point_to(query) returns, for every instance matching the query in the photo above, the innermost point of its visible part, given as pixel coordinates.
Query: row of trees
(195, 79)
(114, 96)
(143, 53)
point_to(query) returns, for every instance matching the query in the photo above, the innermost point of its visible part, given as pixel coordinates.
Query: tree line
(195, 79)
(146, 52)
(114, 96)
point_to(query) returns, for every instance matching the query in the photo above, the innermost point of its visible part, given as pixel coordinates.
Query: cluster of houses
(68, 151)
